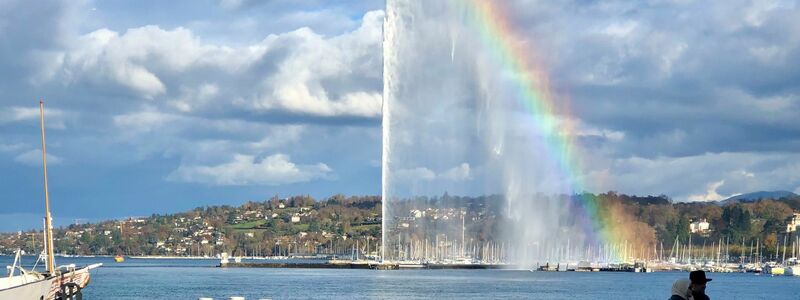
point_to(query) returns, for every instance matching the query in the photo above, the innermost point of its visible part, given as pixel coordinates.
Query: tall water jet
(468, 111)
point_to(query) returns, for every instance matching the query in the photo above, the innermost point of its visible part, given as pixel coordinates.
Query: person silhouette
(698, 286)
(680, 289)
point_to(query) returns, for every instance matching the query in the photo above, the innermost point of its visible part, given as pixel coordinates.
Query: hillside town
(339, 225)
(278, 226)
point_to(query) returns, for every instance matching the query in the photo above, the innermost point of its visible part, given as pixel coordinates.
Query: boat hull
(44, 288)
(37, 289)
(776, 271)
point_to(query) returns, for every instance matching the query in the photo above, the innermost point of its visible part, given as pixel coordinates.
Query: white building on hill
(793, 223)
(700, 226)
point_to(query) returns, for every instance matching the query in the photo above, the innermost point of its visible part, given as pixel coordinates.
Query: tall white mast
(48, 224)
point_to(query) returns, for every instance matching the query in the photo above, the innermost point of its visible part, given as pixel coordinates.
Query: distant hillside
(755, 196)
(339, 224)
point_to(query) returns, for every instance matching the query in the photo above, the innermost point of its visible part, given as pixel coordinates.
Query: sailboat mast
(48, 224)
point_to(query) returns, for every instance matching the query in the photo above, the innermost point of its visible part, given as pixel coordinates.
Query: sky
(160, 107)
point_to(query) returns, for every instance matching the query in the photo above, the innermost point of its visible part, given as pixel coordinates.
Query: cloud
(415, 174)
(144, 120)
(461, 172)
(11, 147)
(191, 98)
(299, 72)
(36, 41)
(200, 140)
(233, 4)
(142, 96)
(626, 70)
(141, 57)
(309, 80)
(720, 175)
(654, 108)
(711, 193)
(275, 169)
(34, 158)
(54, 118)
(458, 173)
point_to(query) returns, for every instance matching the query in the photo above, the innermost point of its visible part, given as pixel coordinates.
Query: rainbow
(497, 34)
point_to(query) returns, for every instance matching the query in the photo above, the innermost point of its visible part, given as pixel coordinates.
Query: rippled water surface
(191, 279)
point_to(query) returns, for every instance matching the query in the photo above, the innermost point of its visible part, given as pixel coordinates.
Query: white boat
(67, 282)
(792, 271)
(64, 282)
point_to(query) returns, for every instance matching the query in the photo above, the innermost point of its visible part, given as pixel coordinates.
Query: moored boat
(63, 282)
(792, 271)
(773, 268)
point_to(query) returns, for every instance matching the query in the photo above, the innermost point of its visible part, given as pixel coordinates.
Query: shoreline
(172, 257)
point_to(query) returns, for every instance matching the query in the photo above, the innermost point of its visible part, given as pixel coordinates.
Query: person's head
(699, 280)
(699, 288)
(681, 288)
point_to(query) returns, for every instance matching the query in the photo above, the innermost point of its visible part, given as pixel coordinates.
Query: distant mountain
(755, 196)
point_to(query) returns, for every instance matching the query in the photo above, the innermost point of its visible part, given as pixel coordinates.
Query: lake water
(191, 279)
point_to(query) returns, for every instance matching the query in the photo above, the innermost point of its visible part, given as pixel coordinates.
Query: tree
(737, 221)
(682, 229)
(770, 244)
(313, 226)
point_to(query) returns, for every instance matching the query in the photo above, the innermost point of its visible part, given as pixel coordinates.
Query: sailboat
(63, 282)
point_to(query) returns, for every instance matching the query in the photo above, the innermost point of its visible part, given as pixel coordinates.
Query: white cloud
(11, 147)
(34, 158)
(711, 193)
(620, 30)
(280, 137)
(275, 169)
(415, 174)
(771, 55)
(141, 57)
(192, 97)
(300, 72)
(299, 98)
(582, 129)
(666, 96)
(100, 54)
(459, 173)
(200, 140)
(232, 4)
(144, 121)
(710, 176)
(759, 11)
(299, 85)
(54, 118)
